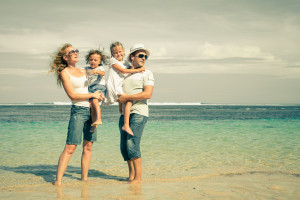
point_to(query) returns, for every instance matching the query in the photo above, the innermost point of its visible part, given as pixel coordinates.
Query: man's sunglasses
(73, 51)
(142, 56)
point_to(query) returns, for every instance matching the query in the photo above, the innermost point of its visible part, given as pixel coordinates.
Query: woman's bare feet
(57, 183)
(127, 129)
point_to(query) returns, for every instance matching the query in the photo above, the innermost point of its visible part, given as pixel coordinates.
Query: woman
(75, 84)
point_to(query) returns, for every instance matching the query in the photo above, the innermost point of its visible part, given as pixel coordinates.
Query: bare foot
(57, 183)
(127, 129)
(98, 122)
(134, 181)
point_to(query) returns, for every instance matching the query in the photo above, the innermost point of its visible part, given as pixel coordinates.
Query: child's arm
(127, 71)
(101, 73)
(120, 108)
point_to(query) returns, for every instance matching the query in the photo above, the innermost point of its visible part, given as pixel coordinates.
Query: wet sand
(258, 185)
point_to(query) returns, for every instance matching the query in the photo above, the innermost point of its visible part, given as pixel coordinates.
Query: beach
(188, 152)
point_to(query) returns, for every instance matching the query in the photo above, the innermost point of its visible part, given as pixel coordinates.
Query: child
(118, 71)
(96, 82)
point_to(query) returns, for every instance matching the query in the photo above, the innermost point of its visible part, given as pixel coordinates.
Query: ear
(131, 57)
(65, 57)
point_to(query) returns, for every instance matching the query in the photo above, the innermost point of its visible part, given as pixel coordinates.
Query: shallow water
(218, 149)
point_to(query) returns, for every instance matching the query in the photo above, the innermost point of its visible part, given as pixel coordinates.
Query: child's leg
(97, 110)
(93, 115)
(126, 126)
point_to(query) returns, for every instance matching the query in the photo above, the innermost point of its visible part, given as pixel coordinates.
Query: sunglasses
(142, 56)
(73, 51)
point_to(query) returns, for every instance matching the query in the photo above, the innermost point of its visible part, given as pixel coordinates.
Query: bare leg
(86, 159)
(63, 162)
(131, 170)
(126, 126)
(137, 164)
(97, 110)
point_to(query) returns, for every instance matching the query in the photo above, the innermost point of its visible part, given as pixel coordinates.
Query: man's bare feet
(127, 129)
(134, 181)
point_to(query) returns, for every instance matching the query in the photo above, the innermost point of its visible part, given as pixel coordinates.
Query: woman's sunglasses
(142, 56)
(73, 51)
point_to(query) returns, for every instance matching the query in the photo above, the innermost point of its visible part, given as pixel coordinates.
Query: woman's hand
(98, 95)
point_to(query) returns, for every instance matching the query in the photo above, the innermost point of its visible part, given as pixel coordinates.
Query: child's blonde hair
(98, 52)
(113, 45)
(59, 63)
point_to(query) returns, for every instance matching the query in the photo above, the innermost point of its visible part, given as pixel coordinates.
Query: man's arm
(146, 94)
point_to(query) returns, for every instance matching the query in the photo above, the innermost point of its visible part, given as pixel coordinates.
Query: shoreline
(223, 186)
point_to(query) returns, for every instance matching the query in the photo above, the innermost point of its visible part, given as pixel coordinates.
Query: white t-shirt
(95, 79)
(134, 84)
(114, 81)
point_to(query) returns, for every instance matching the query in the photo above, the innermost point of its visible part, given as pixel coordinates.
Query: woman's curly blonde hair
(58, 64)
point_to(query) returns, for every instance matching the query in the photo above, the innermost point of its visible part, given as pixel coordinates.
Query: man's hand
(122, 98)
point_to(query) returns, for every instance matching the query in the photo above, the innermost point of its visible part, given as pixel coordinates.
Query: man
(138, 88)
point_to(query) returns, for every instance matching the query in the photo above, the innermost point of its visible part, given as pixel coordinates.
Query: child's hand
(143, 69)
(94, 72)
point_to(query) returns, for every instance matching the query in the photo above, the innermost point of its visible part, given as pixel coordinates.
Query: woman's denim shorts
(130, 145)
(80, 122)
(96, 87)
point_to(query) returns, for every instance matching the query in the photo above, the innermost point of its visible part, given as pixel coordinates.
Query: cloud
(215, 51)
(22, 72)
(248, 66)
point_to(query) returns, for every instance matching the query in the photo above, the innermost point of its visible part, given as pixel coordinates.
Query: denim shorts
(130, 145)
(80, 122)
(96, 87)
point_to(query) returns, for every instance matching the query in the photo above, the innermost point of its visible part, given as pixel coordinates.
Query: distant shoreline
(150, 103)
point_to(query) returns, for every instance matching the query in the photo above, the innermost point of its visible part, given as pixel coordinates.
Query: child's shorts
(97, 87)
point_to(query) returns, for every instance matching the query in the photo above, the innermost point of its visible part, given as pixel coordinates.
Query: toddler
(96, 80)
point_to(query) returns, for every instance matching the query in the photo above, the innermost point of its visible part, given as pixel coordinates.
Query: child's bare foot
(127, 129)
(98, 122)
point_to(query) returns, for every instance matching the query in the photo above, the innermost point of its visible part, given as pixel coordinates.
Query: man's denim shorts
(130, 145)
(96, 87)
(80, 122)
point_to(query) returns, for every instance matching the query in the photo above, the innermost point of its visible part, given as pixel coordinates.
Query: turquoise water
(179, 142)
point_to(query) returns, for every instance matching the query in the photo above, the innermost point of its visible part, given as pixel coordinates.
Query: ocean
(188, 152)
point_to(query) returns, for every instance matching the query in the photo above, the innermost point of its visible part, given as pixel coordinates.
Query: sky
(208, 51)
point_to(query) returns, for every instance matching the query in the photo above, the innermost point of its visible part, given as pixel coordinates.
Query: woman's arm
(74, 96)
(127, 71)
(146, 94)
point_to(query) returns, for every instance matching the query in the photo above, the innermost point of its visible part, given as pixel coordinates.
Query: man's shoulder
(147, 72)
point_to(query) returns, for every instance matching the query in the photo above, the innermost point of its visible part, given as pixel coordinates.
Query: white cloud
(215, 51)
(249, 66)
(22, 72)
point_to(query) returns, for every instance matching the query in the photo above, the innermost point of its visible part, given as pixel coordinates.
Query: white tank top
(80, 86)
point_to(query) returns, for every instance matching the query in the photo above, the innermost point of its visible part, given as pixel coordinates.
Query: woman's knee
(70, 149)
